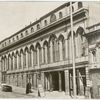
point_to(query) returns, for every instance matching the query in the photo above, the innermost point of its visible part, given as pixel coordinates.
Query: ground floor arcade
(52, 80)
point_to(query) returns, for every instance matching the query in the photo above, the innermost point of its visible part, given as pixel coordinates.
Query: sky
(16, 15)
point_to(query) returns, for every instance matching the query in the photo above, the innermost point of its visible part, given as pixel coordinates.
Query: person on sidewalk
(28, 88)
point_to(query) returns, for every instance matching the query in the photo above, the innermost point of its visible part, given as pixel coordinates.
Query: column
(50, 76)
(87, 92)
(67, 82)
(42, 78)
(60, 82)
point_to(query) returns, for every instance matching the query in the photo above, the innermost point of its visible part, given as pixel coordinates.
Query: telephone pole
(73, 51)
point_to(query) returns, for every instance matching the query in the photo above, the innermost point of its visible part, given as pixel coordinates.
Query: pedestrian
(28, 88)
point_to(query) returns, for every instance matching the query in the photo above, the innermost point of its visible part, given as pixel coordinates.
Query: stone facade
(42, 52)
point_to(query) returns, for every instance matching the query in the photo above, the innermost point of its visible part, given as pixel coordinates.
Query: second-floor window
(53, 18)
(38, 26)
(60, 15)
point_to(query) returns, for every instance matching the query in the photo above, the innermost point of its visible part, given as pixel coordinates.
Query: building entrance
(54, 81)
(80, 81)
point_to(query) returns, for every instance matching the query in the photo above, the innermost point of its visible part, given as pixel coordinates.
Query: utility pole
(73, 51)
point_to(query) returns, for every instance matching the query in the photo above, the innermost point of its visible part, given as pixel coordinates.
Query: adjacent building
(42, 51)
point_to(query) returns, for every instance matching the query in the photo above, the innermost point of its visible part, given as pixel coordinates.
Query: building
(41, 52)
(93, 37)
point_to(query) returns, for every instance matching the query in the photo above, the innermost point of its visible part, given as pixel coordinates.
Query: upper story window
(53, 18)
(32, 30)
(79, 5)
(94, 55)
(38, 26)
(45, 22)
(9, 41)
(5, 43)
(21, 35)
(13, 39)
(60, 15)
(17, 37)
(72, 9)
(26, 32)
(2, 45)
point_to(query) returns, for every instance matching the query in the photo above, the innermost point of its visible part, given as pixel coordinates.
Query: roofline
(41, 18)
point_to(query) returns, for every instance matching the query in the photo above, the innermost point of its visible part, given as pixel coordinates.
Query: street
(13, 95)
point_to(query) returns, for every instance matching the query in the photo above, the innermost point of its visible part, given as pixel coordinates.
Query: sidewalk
(48, 95)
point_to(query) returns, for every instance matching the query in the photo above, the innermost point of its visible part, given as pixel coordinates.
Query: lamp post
(73, 51)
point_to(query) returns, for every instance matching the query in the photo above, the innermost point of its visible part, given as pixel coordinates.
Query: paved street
(19, 92)
(13, 95)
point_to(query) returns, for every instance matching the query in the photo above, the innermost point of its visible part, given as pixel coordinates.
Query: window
(60, 15)
(53, 18)
(72, 9)
(32, 30)
(94, 55)
(26, 32)
(9, 41)
(5, 43)
(13, 39)
(79, 5)
(21, 35)
(38, 26)
(17, 37)
(45, 22)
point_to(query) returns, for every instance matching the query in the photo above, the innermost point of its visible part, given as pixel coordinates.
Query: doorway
(80, 81)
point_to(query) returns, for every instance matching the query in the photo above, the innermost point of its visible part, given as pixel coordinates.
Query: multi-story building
(42, 51)
(93, 37)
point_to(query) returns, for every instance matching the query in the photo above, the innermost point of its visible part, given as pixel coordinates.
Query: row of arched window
(53, 50)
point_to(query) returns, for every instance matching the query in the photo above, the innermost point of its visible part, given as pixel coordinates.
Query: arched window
(72, 9)
(61, 47)
(32, 30)
(21, 58)
(94, 56)
(13, 39)
(45, 52)
(53, 18)
(38, 26)
(21, 35)
(17, 37)
(26, 58)
(38, 53)
(53, 46)
(32, 56)
(45, 22)
(79, 41)
(60, 15)
(26, 32)
(80, 5)
(9, 62)
(9, 41)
